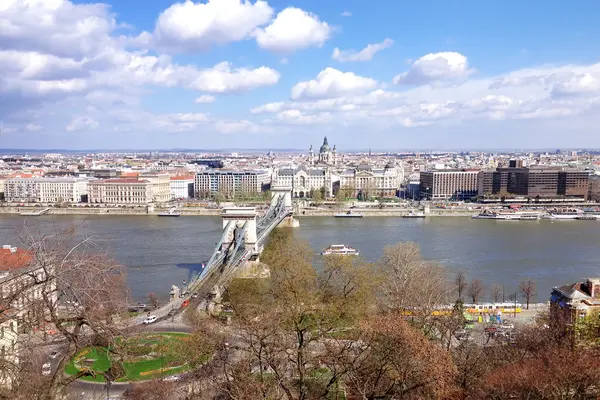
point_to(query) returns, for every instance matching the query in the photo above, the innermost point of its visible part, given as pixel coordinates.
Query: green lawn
(156, 346)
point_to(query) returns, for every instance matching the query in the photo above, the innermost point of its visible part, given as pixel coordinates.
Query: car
(172, 312)
(507, 326)
(46, 369)
(194, 295)
(53, 355)
(150, 319)
(172, 378)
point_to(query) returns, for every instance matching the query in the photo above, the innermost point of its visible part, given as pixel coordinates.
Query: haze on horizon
(235, 74)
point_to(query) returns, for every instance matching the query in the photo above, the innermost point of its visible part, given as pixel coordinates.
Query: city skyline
(235, 74)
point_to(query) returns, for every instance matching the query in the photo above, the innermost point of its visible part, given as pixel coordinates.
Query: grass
(134, 370)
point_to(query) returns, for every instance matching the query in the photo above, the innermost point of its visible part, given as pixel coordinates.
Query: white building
(182, 187)
(160, 185)
(305, 181)
(120, 191)
(230, 183)
(45, 190)
(368, 181)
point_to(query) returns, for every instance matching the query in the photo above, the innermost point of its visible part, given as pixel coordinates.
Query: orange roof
(17, 260)
(129, 174)
(182, 177)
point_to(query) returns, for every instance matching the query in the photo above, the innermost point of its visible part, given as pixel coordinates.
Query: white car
(172, 378)
(150, 320)
(46, 369)
(507, 326)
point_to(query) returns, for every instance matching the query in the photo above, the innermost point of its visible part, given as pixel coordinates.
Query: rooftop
(13, 258)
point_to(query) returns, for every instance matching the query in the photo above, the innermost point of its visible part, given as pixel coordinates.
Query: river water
(161, 252)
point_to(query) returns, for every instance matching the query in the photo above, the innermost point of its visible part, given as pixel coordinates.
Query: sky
(250, 74)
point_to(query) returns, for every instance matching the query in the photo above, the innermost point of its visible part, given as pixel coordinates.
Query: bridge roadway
(224, 261)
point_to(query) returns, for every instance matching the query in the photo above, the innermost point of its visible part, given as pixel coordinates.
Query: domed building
(327, 155)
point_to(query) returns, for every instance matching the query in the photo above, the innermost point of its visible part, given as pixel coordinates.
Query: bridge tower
(240, 216)
(277, 192)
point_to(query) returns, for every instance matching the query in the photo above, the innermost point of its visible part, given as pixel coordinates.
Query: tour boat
(414, 214)
(349, 214)
(508, 216)
(170, 213)
(340, 249)
(564, 214)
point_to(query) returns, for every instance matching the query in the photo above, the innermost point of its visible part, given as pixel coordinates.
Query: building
(120, 191)
(326, 156)
(182, 187)
(534, 183)
(576, 300)
(22, 285)
(46, 190)
(449, 184)
(366, 181)
(594, 188)
(160, 186)
(305, 181)
(231, 183)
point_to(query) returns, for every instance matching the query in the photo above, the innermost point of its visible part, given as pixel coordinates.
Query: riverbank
(197, 211)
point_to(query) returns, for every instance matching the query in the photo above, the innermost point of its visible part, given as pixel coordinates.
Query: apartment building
(182, 187)
(231, 183)
(449, 184)
(120, 191)
(594, 188)
(45, 190)
(535, 182)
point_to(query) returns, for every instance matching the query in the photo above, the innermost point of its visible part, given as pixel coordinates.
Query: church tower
(311, 156)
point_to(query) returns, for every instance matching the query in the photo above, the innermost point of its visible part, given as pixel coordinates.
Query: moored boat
(414, 214)
(349, 214)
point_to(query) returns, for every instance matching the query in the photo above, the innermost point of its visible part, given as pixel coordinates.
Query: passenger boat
(170, 213)
(340, 249)
(572, 213)
(349, 214)
(414, 214)
(508, 216)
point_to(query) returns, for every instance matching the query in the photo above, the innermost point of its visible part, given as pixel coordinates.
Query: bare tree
(153, 299)
(527, 288)
(476, 290)
(496, 293)
(460, 282)
(71, 290)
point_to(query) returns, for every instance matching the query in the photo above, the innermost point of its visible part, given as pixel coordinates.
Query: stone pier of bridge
(278, 191)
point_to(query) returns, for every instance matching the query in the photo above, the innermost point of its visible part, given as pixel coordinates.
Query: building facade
(120, 191)
(305, 181)
(46, 190)
(534, 183)
(182, 187)
(231, 183)
(160, 185)
(577, 300)
(367, 181)
(448, 184)
(326, 156)
(594, 188)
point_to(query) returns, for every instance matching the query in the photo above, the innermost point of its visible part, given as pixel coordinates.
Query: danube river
(161, 252)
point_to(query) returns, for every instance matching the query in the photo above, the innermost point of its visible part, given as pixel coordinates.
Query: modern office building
(448, 184)
(594, 188)
(534, 183)
(230, 183)
(120, 191)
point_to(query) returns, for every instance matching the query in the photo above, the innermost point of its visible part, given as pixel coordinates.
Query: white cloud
(575, 84)
(242, 126)
(223, 79)
(190, 26)
(435, 67)
(346, 14)
(332, 83)
(179, 122)
(291, 30)
(284, 60)
(205, 98)
(32, 127)
(365, 54)
(81, 124)
(297, 117)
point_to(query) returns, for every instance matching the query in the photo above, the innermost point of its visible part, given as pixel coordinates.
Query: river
(160, 252)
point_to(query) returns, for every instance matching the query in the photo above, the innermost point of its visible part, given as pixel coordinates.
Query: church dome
(325, 146)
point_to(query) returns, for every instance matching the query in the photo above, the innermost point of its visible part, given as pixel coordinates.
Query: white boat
(340, 249)
(349, 214)
(170, 213)
(508, 215)
(564, 214)
(414, 214)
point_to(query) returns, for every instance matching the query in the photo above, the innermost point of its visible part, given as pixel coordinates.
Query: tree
(77, 290)
(154, 301)
(410, 284)
(460, 282)
(527, 288)
(392, 359)
(476, 290)
(496, 293)
(323, 192)
(316, 195)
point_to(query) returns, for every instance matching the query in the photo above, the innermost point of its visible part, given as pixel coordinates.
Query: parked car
(172, 312)
(506, 325)
(46, 369)
(172, 378)
(53, 355)
(150, 319)
(194, 295)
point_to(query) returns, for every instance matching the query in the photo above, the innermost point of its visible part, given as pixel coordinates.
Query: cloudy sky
(282, 74)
